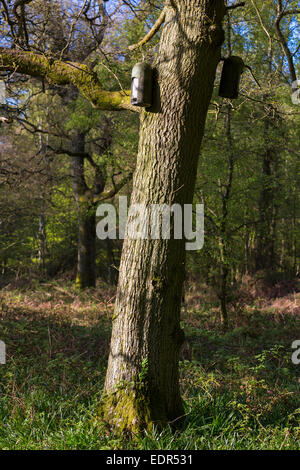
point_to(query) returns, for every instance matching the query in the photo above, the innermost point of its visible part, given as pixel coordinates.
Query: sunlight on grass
(241, 390)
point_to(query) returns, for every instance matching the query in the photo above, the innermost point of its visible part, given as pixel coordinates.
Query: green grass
(240, 389)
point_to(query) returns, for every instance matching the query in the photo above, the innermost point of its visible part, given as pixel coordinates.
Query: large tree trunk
(142, 381)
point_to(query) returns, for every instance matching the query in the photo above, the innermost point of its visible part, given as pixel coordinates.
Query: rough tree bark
(142, 381)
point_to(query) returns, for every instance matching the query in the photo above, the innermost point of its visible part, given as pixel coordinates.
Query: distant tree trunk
(142, 381)
(225, 261)
(223, 297)
(42, 241)
(42, 234)
(86, 217)
(86, 271)
(294, 238)
(4, 265)
(112, 269)
(246, 237)
(86, 198)
(264, 253)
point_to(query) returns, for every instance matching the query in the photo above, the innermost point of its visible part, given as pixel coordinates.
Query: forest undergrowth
(240, 387)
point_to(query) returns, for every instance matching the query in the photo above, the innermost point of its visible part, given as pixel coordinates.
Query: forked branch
(151, 33)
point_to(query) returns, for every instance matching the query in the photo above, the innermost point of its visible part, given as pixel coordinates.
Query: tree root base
(127, 409)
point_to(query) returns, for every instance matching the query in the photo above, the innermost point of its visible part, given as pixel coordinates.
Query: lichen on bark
(63, 73)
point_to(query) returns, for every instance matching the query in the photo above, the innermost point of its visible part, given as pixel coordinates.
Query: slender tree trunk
(223, 296)
(112, 270)
(42, 235)
(86, 217)
(265, 242)
(225, 202)
(4, 265)
(142, 381)
(294, 238)
(246, 249)
(225, 261)
(86, 273)
(42, 241)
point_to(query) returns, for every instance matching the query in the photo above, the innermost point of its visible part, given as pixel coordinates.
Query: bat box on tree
(141, 85)
(233, 68)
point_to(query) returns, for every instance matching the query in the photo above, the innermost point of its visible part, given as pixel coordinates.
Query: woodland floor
(240, 388)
